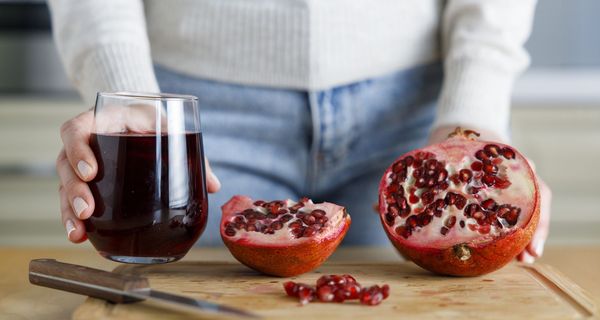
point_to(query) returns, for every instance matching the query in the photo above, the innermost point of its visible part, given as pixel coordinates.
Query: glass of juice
(150, 190)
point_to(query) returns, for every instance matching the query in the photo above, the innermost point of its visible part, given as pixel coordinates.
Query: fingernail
(79, 205)
(214, 178)
(539, 248)
(70, 228)
(85, 170)
(528, 259)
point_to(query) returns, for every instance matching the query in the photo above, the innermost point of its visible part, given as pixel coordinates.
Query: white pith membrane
(520, 194)
(334, 217)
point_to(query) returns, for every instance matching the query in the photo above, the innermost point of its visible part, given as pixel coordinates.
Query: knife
(119, 288)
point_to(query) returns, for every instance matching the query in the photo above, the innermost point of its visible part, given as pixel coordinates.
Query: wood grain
(21, 300)
(415, 293)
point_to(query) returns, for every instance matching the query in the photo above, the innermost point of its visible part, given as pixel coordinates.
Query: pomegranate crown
(466, 134)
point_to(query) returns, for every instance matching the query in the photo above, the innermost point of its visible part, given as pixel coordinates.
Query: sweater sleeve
(483, 55)
(103, 45)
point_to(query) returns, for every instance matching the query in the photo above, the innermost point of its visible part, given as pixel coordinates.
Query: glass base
(140, 260)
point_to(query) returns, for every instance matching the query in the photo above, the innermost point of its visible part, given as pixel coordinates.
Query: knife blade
(119, 288)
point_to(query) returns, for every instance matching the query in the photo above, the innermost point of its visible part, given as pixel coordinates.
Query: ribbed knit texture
(302, 44)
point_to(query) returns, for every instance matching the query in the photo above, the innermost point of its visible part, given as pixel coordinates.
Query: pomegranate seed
(508, 153)
(325, 281)
(259, 203)
(338, 280)
(501, 183)
(385, 290)
(484, 229)
(497, 161)
(489, 168)
(309, 232)
(353, 291)
(298, 232)
(412, 221)
(443, 186)
(285, 218)
(413, 198)
(427, 197)
(472, 227)
(513, 216)
(398, 166)
(230, 231)
(489, 204)
(349, 278)
(450, 198)
(276, 225)
(471, 209)
(462, 223)
(481, 155)
(421, 182)
(424, 219)
(394, 211)
(444, 231)
(325, 293)
(431, 164)
(478, 215)
(450, 222)
(455, 179)
(250, 228)
(418, 163)
(340, 295)
(309, 219)
(305, 294)
(404, 231)
(503, 210)
(489, 180)
(465, 175)
(476, 166)
(492, 150)
(431, 182)
(460, 202)
(291, 289)
(440, 204)
(443, 175)
(417, 173)
(409, 161)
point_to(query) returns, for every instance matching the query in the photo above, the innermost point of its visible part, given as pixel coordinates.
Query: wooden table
(20, 300)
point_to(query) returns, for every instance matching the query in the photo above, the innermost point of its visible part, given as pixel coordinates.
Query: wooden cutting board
(516, 291)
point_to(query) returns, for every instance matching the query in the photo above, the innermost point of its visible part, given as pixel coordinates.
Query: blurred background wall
(555, 119)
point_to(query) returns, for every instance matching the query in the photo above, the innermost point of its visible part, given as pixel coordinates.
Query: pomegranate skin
(283, 259)
(469, 258)
(485, 258)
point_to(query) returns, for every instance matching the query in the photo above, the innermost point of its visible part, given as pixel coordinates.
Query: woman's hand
(536, 247)
(76, 165)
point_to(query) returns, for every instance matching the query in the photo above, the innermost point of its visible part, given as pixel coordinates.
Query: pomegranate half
(462, 207)
(282, 238)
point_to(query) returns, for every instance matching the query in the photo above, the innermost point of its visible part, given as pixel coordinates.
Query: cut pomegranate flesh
(337, 288)
(461, 192)
(282, 237)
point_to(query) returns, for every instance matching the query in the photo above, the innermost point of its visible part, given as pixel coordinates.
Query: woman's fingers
(212, 182)
(73, 226)
(76, 192)
(75, 135)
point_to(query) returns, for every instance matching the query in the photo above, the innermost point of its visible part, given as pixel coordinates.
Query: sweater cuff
(115, 67)
(476, 95)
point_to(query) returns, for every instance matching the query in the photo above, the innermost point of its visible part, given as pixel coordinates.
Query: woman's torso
(299, 44)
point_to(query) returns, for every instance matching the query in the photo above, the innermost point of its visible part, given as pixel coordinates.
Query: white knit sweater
(301, 44)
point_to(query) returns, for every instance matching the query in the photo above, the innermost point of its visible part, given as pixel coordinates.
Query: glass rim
(162, 96)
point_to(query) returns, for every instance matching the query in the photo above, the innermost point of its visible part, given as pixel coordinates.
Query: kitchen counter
(21, 300)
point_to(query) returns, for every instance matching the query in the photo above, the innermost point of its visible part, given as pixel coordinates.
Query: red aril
(337, 288)
(474, 206)
(282, 238)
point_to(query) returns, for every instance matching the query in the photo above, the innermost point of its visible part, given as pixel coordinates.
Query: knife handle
(83, 280)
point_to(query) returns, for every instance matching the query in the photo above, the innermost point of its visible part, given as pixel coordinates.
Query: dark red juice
(150, 195)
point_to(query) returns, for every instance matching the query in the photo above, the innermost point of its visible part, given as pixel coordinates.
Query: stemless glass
(150, 190)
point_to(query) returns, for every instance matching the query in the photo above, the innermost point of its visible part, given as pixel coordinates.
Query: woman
(299, 97)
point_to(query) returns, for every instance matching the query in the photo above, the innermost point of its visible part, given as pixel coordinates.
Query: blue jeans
(330, 145)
